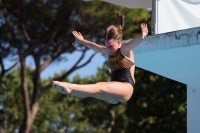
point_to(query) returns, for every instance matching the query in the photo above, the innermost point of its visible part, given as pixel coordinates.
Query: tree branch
(1, 4)
(73, 68)
(50, 59)
(23, 28)
(5, 13)
(51, 36)
(3, 71)
(86, 61)
(2, 67)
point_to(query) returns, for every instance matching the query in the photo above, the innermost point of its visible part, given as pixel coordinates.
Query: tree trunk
(112, 121)
(1, 122)
(27, 122)
(31, 110)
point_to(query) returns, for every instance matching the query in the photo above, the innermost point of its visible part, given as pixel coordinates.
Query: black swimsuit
(120, 67)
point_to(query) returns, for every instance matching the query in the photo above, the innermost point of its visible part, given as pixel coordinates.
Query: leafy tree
(157, 105)
(42, 30)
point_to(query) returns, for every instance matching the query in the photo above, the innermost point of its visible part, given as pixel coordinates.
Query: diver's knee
(100, 86)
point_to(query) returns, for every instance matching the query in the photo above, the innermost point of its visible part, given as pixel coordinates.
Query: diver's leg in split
(115, 90)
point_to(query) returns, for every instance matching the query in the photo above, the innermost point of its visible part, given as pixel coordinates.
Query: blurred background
(36, 48)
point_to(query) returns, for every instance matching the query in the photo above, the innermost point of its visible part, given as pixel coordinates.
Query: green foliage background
(157, 105)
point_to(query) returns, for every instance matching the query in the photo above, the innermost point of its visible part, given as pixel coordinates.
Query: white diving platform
(175, 55)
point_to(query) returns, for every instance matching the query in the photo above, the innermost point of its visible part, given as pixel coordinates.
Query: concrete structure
(176, 55)
(132, 3)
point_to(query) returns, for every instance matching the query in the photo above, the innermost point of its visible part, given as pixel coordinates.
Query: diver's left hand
(144, 29)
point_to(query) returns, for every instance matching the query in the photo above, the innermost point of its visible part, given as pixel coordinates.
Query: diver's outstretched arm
(137, 39)
(96, 47)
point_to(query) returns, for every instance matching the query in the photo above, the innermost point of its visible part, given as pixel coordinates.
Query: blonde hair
(115, 31)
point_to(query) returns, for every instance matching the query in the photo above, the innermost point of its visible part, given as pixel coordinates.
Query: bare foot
(63, 87)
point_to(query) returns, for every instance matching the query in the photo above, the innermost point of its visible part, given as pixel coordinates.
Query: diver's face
(112, 46)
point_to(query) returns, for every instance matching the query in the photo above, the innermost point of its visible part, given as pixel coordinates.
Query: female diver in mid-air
(120, 61)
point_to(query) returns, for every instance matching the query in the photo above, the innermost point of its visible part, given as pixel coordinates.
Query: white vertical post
(193, 110)
(153, 18)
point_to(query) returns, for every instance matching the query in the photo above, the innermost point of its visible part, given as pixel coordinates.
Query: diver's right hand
(77, 36)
